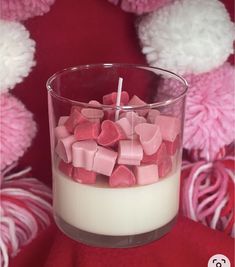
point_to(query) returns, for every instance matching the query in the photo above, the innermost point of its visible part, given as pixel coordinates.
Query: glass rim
(124, 107)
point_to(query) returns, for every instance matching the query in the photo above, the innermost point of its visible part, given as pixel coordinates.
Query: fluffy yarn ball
(209, 119)
(209, 112)
(16, 53)
(140, 6)
(17, 129)
(208, 193)
(25, 210)
(187, 36)
(23, 9)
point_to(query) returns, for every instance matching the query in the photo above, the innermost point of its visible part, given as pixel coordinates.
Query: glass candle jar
(116, 143)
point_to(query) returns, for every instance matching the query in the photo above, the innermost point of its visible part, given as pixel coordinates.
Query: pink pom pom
(209, 120)
(141, 6)
(209, 115)
(25, 210)
(23, 9)
(17, 129)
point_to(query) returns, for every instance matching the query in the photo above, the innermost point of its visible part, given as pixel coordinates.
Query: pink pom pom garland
(25, 210)
(25, 202)
(23, 9)
(17, 129)
(140, 6)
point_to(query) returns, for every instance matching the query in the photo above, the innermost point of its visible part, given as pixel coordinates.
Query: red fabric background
(189, 244)
(82, 32)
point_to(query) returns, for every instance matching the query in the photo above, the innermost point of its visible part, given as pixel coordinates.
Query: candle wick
(118, 100)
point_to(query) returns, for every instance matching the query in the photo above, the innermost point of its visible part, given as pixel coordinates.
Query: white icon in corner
(219, 260)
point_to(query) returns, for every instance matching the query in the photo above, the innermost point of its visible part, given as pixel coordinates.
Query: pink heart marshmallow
(64, 148)
(157, 156)
(87, 130)
(150, 137)
(104, 161)
(84, 176)
(94, 102)
(161, 158)
(92, 114)
(110, 134)
(74, 119)
(122, 177)
(169, 127)
(111, 99)
(130, 152)
(164, 167)
(62, 120)
(152, 114)
(146, 174)
(109, 114)
(136, 101)
(172, 147)
(126, 126)
(133, 118)
(83, 153)
(61, 132)
(66, 168)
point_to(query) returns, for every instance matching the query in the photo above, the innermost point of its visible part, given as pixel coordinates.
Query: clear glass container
(116, 157)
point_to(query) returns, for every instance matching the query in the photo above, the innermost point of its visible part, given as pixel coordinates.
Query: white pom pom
(187, 36)
(16, 54)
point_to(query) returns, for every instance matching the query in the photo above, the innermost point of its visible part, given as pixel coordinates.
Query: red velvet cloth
(189, 244)
(82, 32)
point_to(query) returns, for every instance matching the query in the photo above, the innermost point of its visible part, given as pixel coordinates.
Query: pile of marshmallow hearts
(130, 147)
